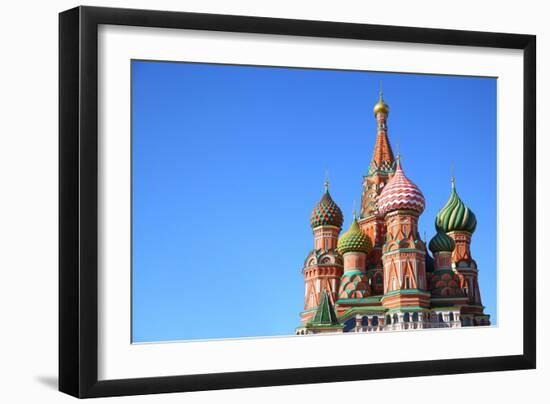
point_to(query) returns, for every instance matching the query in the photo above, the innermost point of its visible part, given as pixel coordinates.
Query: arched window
(407, 283)
(349, 325)
(395, 318)
(365, 321)
(440, 317)
(375, 320)
(415, 317)
(406, 318)
(388, 319)
(451, 316)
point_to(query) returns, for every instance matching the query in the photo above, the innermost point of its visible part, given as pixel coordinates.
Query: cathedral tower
(444, 283)
(324, 265)
(459, 223)
(381, 169)
(404, 253)
(354, 246)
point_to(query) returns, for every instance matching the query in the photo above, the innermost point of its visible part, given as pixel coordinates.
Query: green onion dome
(441, 243)
(455, 216)
(326, 212)
(354, 240)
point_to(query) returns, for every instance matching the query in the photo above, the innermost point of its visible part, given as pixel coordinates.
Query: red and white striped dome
(400, 193)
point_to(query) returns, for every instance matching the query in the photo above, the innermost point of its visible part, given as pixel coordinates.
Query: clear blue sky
(228, 162)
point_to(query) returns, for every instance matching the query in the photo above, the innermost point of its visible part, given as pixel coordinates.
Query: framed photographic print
(250, 201)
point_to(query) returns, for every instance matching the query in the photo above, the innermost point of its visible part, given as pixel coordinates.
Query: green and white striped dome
(441, 243)
(455, 215)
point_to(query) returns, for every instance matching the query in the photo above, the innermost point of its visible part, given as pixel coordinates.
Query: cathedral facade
(379, 275)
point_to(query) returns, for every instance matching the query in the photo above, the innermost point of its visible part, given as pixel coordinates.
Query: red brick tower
(323, 266)
(404, 253)
(381, 169)
(444, 283)
(459, 223)
(354, 245)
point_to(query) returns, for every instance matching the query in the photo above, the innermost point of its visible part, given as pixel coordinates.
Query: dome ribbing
(455, 215)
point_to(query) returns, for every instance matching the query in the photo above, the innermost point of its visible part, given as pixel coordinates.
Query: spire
(382, 156)
(326, 181)
(325, 315)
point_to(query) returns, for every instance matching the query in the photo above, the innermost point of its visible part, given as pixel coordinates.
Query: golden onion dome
(381, 106)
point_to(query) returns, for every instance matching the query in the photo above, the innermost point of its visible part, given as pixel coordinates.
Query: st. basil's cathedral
(378, 275)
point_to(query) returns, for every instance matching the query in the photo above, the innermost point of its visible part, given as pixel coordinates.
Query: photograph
(286, 201)
(274, 202)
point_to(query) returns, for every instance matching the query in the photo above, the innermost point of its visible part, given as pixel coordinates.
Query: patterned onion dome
(441, 243)
(400, 193)
(455, 215)
(326, 212)
(381, 106)
(354, 240)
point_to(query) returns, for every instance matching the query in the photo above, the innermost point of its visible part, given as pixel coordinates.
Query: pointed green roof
(325, 314)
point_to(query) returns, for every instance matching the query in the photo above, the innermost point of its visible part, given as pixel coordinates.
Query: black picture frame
(78, 200)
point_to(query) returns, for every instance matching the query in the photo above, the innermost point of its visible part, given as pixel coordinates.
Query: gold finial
(326, 180)
(452, 174)
(381, 106)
